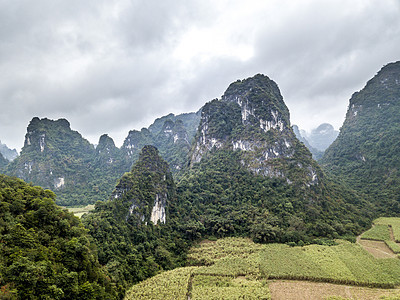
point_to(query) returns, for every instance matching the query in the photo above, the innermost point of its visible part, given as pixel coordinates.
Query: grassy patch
(380, 232)
(223, 287)
(236, 268)
(78, 211)
(395, 247)
(394, 223)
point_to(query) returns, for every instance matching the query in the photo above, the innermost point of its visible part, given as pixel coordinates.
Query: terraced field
(237, 268)
(382, 240)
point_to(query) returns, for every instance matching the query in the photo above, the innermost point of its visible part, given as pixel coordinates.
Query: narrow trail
(391, 233)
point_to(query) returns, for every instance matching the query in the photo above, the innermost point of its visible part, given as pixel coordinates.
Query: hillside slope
(366, 154)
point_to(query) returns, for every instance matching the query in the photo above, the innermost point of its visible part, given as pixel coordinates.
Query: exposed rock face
(171, 134)
(251, 117)
(366, 153)
(106, 150)
(147, 189)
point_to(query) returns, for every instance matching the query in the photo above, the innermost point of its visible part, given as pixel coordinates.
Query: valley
(225, 203)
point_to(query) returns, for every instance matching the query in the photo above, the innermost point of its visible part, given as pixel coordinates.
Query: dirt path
(391, 233)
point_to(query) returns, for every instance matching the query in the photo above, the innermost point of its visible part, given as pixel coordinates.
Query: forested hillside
(251, 176)
(136, 229)
(56, 157)
(45, 252)
(366, 153)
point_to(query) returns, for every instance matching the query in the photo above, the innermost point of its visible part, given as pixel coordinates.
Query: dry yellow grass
(298, 290)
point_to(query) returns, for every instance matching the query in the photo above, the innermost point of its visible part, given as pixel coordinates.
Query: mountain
(45, 253)
(56, 157)
(366, 153)
(322, 136)
(3, 162)
(133, 230)
(172, 135)
(9, 154)
(301, 136)
(250, 174)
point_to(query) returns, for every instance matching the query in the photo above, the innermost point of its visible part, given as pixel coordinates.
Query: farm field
(79, 210)
(394, 223)
(382, 240)
(295, 290)
(237, 268)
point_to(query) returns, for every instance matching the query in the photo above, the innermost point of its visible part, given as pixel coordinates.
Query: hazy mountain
(322, 136)
(9, 154)
(3, 162)
(301, 136)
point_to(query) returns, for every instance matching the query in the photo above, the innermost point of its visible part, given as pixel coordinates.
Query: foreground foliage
(45, 252)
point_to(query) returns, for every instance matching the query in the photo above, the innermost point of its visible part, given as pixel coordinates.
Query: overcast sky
(113, 66)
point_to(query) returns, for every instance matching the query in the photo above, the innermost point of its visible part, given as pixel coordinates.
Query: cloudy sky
(113, 66)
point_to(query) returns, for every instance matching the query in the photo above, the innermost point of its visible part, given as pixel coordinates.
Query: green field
(78, 211)
(237, 268)
(392, 222)
(379, 232)
(345, 263)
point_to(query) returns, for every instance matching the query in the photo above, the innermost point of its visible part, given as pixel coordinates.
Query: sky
(116, 65)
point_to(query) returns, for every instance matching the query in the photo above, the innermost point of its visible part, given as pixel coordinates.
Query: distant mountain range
(58, 158)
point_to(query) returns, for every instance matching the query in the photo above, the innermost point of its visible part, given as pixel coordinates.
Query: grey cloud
(110, 66)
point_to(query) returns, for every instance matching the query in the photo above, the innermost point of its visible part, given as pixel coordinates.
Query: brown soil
(377, 248)
(298, 290)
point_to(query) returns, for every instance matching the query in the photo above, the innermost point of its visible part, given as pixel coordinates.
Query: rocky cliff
(147, 189)
(53, 156)
(58, 158)
(250, 175)
(252, 118)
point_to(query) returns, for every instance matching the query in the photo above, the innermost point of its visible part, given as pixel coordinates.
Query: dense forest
(45, 252)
